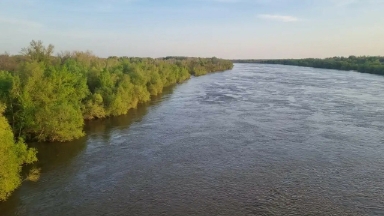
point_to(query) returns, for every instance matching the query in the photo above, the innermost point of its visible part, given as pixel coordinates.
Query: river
(256, 140)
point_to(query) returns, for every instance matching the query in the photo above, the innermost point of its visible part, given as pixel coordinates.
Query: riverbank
(363, 64)
(48, 98)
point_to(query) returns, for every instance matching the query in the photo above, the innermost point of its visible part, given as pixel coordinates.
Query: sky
(232, 29)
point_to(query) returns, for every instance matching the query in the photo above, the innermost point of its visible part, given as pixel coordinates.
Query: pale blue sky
(222, 28)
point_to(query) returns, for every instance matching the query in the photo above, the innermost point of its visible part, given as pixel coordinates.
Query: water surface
(257, 140)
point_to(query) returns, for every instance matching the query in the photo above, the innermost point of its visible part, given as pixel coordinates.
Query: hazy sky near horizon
(206, 28)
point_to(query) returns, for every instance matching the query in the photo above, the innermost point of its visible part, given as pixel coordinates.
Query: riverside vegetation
(364, 64)
(47, 98)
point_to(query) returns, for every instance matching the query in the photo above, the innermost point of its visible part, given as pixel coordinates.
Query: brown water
(257, 140)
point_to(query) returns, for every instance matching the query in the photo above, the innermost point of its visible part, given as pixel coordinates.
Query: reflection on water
(105, 126)
(257, 140)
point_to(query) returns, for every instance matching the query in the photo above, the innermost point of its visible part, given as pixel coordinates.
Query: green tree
(38, 52)
(12, 156)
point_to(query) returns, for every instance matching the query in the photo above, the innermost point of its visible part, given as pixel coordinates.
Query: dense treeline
(48, 97)
(364, 64)
(201, 66)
